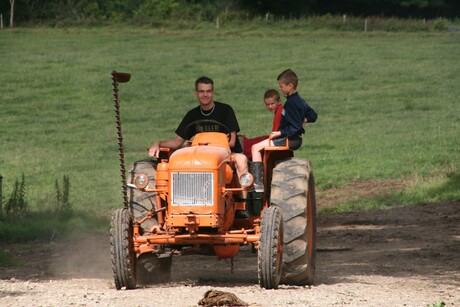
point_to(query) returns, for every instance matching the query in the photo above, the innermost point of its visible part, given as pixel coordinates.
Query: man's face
(205, 94)
(271, 103)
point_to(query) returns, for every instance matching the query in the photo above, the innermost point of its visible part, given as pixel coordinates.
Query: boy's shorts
(294, 142)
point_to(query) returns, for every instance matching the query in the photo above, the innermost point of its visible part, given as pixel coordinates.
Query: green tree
(295, 8)
(157, 9)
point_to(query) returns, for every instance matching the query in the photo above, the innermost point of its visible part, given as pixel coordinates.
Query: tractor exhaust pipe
(120, 77)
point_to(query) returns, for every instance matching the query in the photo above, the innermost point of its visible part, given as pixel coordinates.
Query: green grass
(7, 260)
(48, 226)
(423, 191)
(387, 103)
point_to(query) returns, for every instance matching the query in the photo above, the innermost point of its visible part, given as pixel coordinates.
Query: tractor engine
(198, 176)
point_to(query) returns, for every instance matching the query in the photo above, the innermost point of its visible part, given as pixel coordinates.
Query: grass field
(388, 103)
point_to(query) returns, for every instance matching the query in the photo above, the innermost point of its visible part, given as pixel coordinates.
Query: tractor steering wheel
(205, 125)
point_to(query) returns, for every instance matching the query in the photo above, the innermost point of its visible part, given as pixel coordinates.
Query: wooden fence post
(365, 25)
(1, 195)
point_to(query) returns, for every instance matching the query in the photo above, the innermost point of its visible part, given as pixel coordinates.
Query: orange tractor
(189, 202)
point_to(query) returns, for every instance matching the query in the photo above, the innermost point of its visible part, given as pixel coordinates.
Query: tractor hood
(201, 157)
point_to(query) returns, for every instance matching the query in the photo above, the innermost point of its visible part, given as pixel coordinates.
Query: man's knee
(241, 161)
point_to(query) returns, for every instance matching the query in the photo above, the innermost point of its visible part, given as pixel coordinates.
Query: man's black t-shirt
(223, 113)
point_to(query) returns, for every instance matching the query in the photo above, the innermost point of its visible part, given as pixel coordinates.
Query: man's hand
(232, 139)
(154, 150)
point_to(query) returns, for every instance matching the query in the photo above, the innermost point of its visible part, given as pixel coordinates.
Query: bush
(440, 24)
(62, 196)
(16, 205)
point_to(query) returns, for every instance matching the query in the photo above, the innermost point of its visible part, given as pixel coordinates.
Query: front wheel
(270, 253)
(122, 250)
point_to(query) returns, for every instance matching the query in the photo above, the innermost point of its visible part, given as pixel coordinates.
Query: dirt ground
(403, 256)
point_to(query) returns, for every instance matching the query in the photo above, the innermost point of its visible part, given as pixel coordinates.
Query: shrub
(16, 206)
(63, 204)
(440, 24)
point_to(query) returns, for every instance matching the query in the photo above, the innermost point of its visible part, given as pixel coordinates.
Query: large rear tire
(140, 203)
(122, 250)
(270, 255)
(293, 191)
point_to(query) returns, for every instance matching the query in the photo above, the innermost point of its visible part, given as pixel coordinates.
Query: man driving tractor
(207, 110)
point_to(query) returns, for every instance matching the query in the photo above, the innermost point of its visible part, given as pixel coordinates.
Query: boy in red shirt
(273, 103)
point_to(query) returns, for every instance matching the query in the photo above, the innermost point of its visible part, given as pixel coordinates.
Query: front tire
(293, 191)
(122, 250)
(270, 253)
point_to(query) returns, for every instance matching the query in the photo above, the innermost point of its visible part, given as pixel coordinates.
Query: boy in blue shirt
(295, 114)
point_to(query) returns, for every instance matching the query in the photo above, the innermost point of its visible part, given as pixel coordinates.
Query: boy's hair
(204, 80)
(288, 76)
(272, 93)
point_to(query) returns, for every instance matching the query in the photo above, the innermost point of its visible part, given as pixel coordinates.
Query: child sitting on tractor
(273, 104)
(296, 112)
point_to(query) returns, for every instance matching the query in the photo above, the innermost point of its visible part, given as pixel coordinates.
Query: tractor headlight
(141, 181)
(246, 180)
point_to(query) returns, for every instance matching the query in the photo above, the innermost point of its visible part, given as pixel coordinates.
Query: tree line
(31, 12)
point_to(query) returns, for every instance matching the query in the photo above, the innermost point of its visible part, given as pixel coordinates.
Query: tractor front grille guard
(192, 189)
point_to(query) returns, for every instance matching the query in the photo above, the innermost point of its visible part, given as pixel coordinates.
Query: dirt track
(405, 256)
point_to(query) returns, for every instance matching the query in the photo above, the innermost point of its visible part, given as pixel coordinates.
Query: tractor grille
(192, 189)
